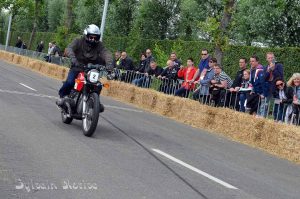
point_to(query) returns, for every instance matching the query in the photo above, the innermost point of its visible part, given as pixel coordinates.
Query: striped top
(223, 77)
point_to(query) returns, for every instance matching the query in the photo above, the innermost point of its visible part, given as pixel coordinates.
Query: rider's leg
(67, 86)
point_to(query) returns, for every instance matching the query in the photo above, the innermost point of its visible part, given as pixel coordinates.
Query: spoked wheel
(65, 114)
(90, 121)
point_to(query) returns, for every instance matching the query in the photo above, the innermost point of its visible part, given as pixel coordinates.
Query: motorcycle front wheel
(90, 120)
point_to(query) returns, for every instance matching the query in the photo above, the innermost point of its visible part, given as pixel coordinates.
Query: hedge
(290, 57)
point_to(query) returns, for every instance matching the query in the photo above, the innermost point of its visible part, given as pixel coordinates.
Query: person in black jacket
(283, 99)
(145, 81)
(126, 64)
(169, 78)
(142, 65)
(19, 43)
(141, 69)
(82, 51)
(232, 95)
(40, 47)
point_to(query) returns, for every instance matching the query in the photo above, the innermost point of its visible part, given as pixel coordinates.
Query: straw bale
(9, 57)
(24, 61)
(145, 97)
(164, 105)
(16, 59)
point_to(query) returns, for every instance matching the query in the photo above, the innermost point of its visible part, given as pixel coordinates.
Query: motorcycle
(83, 102)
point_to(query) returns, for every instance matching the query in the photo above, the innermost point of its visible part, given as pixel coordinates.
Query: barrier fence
(268, 108)
(59, 60)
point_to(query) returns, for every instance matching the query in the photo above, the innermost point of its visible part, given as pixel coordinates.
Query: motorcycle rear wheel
(65, 115)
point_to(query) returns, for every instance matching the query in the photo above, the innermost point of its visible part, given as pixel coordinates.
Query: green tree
(156, 18)
(275, 23)
(120, 17)
(56, 12)
(218, 28)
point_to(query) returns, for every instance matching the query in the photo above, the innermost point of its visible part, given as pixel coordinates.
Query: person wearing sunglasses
(283, 100)
(82, 51)
(203, 65)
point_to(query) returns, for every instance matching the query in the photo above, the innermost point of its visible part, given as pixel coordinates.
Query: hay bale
(145, 98)
(164, 104)
(24, 61)
(16, 59)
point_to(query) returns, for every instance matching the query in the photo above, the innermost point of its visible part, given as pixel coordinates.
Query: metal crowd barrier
(63, 61)
(268, 108)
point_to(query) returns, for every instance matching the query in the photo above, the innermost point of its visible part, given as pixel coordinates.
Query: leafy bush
(134, 45)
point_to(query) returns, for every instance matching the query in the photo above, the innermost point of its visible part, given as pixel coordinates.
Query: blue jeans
(68, 84)
(243, 97)
(142, 82)
(182, 92)
(279, 110)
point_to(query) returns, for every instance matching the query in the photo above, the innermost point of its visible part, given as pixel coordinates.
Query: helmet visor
(94, 38)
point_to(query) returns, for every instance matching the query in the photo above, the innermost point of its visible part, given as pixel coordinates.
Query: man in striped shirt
(220, 82)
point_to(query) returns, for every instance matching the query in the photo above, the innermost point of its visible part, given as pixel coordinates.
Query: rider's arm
(70, 51)
(107, 56)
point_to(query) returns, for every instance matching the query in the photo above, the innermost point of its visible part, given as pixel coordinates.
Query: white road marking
(225, 184)
(121, 108)
(30, 94)
(27, 87)
(53, 97)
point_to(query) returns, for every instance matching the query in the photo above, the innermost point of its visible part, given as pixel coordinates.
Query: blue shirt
(203, 64)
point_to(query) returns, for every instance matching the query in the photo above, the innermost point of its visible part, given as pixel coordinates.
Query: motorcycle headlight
(93, 76)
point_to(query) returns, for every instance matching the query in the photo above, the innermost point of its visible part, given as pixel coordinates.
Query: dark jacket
(155, 72)
(170, 73)
(126, 64)
(271, 76)
(142, 66)
(83, 53)
(289, 93)
(148, 60)
(177, 64)
(238, 79)
(40, 47)
(56, 50)
(19, 43)
(116, 62)
(257, 79)
(24, 46)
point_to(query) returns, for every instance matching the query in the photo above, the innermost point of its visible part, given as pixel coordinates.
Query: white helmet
(92, 34)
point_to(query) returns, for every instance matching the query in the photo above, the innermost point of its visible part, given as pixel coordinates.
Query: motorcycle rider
(84, 50)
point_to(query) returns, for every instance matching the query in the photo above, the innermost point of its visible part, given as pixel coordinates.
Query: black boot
(101, 108)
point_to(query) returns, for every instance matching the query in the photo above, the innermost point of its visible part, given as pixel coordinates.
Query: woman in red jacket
(187, 73)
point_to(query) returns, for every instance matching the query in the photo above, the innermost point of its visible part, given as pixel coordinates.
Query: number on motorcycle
(94, 76)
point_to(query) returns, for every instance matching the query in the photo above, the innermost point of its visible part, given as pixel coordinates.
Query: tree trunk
(225, 21)
(69, 17)
(36, 13)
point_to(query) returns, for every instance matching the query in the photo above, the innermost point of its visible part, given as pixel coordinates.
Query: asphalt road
(133, 154)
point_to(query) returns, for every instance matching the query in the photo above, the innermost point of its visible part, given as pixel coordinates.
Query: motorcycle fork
(84, 102)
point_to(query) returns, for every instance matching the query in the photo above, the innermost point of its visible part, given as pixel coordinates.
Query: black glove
(75, 62)
(109, 67)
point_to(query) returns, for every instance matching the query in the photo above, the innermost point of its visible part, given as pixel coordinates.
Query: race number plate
(94, 76)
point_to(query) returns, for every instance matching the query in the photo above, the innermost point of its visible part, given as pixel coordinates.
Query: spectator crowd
(258, 90)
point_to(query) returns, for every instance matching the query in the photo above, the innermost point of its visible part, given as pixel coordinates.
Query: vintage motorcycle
(83, 102)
